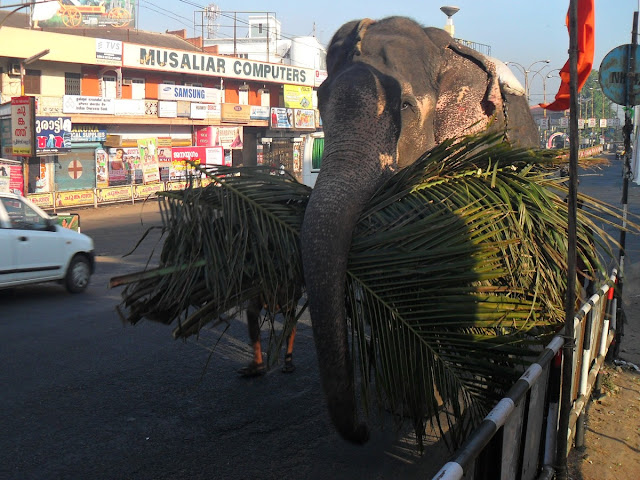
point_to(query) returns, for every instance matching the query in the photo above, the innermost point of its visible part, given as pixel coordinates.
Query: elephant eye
(408, 103)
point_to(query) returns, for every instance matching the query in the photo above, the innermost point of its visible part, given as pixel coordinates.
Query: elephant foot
(253, 370)
(288, 366)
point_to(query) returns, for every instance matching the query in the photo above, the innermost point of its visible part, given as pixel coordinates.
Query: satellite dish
(449, 11)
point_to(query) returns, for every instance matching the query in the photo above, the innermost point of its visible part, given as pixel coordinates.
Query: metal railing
(517, 439)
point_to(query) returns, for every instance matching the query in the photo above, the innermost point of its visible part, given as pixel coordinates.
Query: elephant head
(394, 90)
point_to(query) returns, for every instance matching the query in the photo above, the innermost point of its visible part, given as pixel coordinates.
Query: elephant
(394, 90)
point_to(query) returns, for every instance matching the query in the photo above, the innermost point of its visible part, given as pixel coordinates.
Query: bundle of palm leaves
(456, 273)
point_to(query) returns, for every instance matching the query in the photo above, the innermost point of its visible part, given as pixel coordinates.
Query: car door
(7, 255)
(38, 252)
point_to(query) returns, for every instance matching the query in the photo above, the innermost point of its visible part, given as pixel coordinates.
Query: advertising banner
(102, 175)
(53, 135)
(259, 113)
(167, 109)
(43, 200)
(124, 163)
(230, 138)
(189, 94)
(74, 198)
(281, 117)
(233, 112)
(128, 106)
(22, 117)
(144, 191)
(297, 96)
(149, 155)
(164, 157)
(304, 119)
(82, 104)
(113, 194)
(87, 133)
(84, 13)
(108, 52)
(11, 179)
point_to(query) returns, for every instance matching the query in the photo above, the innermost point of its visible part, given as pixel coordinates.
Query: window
(137, 88)
(22, 216)
(32, 82)
(193, 84)
(72, 84)
(168, 82)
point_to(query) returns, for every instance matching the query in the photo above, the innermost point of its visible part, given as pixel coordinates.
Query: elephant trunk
(361, 134)
(331, 215)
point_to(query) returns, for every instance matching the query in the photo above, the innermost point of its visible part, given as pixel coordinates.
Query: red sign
(203, 155)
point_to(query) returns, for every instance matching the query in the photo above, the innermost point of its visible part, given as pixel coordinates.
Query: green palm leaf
(456, 273)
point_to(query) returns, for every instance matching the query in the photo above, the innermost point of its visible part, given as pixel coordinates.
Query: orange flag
(586, 45)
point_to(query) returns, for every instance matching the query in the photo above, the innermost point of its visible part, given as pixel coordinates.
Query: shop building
(108, 108)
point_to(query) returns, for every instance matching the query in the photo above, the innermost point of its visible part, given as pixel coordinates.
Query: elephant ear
(345, 44)
(469, 94)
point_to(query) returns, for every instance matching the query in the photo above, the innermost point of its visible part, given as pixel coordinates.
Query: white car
(34, 249)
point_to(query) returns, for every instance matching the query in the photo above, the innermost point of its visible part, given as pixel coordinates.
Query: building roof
(165, 40)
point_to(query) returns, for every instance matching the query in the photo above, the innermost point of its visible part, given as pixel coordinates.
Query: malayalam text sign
(22, 113)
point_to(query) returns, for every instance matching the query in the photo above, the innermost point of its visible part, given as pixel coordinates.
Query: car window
(22, 216)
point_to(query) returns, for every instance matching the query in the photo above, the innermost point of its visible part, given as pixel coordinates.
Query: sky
(516, 30)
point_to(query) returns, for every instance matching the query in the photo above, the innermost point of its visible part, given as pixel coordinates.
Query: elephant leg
(256, 367)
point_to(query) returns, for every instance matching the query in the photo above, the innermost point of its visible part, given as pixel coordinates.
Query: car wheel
(78, 274)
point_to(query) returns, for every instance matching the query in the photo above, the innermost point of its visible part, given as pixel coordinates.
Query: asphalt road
(84, 396)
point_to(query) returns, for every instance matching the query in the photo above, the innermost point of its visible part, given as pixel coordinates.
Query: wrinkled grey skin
(394, 90)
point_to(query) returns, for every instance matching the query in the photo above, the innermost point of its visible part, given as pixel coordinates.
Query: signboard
(230, 138)
(208, 156)
(87, 133)
(232, 112)
(22, 113)
(113, 194)
(11, 179)
(73, 198)
(108, 52)
(281, 117)
(198, 111)
(84, 13)
(53, 135)
(128, 106)
(618, 83)
(304, 119)
(297, 96)
(259, 113)
(167, 109)
(181, 61)
(82, 104)
(321, 76)
(189, 94)
(149, 157)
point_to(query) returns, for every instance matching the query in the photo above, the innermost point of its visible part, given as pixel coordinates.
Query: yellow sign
(297, 96)
(143, 191)
(113, 194)
(76, 197)
(43, 200)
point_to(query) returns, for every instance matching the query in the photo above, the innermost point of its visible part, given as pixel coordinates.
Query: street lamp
(28, 61)
(449, 12)
(526, 72)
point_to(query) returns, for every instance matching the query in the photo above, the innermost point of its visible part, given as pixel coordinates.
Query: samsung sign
(188, 94)
(137, 56)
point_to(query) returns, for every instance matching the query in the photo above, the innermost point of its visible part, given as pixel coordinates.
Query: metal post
(567, 367)
(628, 128)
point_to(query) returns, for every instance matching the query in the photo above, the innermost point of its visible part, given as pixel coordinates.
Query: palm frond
(456, 272)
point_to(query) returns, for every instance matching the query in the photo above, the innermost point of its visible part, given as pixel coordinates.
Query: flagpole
(570, 300)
